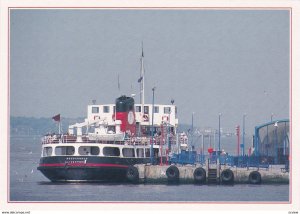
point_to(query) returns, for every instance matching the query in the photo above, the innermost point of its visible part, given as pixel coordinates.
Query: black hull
(87, 168)
(83, 174)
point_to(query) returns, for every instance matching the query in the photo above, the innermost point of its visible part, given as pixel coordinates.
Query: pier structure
(270, 146)
(267, 161)
(191, 174)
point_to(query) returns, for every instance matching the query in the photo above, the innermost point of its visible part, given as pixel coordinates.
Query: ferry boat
(110, 141)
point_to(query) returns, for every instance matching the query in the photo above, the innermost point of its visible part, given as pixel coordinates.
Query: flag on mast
(140, 79)
(142, 66)
(56, 118)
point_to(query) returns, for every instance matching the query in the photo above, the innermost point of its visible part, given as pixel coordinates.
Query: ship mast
(142, 82)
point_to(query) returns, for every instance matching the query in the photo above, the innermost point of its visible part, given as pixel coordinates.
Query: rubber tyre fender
(254, 177)
(199, 175)
(132, 174)
(172, 174)
(227, 176)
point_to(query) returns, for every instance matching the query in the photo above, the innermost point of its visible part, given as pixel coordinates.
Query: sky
(232, 62)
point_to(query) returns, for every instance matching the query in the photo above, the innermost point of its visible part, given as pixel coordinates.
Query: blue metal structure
(271, 141)
(185, 157)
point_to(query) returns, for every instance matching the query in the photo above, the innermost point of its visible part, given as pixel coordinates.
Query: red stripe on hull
(106, 165)
(53, 164)
(83, 164)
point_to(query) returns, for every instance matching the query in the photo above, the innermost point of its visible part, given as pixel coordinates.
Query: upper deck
(143, 114)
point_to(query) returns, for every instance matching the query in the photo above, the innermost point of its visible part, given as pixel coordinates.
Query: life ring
(165, 118)
(199, 175)
(145, 117)
(227, 176)
(96, 116)
(132, 174)
(172, 174)
(254, 177)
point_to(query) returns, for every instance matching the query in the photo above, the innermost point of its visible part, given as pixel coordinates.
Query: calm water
(28, 184)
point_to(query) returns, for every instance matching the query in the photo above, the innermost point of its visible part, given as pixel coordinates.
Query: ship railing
(58, 138)
(141, 141)
(50, 138)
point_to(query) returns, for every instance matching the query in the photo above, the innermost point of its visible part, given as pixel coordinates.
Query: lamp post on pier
(219, 134)
(192, 132)
(276, 143)
(243, 144)
(219, 152)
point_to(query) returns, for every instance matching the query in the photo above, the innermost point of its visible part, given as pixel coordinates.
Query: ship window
(138, 108)
(156, 109)
(95, 150)
(146, 109)
(140, 153)
(128, 152)
(95, 110)
(105, 109)
(88, 150)
(167, 110)
(147, 152)
(111, 151)
(111, 129)
(64, 150)
(47, 151)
